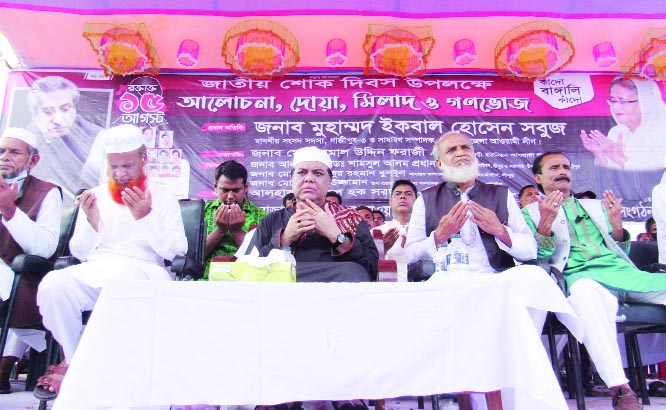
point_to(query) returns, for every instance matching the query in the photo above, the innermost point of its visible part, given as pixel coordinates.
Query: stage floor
(22, 400)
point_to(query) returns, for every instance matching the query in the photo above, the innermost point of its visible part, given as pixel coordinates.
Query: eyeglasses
(622, 103)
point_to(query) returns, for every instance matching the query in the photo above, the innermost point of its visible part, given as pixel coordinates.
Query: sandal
(51, 380)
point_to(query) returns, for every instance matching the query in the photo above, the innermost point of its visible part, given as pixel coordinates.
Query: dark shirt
(227, 246)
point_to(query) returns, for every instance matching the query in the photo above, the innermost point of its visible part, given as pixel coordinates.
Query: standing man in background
(366, 214)
(527, 195)
(335, 197)
(378, 217)
(403, 196)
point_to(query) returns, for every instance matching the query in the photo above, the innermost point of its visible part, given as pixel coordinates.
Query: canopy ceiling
(48, 34)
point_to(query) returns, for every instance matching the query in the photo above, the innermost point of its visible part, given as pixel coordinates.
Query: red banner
(377, 130)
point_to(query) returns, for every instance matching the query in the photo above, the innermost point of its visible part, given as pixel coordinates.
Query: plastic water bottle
(289, 257)
(440, 258)
(458, 257)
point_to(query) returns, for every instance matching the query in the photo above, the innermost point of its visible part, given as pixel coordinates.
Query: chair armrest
(24, 263)
(187, 268)
(65, 261)
(559, 277)
(387, 271)
(378, 238)
(420, 271)
(654, 268)
(641, 314)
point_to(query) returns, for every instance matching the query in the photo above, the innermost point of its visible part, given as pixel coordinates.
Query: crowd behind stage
(127, 226)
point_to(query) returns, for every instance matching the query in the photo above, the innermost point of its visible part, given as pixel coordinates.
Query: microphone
(579, 219)
(456, 192)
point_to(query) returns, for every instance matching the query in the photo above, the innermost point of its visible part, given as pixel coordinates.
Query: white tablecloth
(158, 343)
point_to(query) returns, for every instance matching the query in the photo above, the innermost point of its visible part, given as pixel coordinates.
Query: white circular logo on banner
(564, 90)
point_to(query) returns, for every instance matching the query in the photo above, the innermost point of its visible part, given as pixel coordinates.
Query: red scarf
(345, 217)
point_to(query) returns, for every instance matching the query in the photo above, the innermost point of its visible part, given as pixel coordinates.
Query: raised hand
(8, 194)
(220, 217)
(589, 144)
(613, 207)
(88, 203)
(302, 221)
(325, 224)
(451, 222)
(138, 202)
(549, 206)
(603, 148)
(390, 237)
(486, 219)
(236, 217)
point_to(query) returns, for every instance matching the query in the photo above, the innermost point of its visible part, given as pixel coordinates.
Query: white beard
(461, 174)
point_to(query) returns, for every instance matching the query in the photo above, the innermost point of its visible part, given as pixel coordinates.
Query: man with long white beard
(486, 215)
(124, 231)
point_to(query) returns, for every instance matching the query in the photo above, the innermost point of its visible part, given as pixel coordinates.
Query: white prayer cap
(123, 138)
(20, 134)
(312, 154)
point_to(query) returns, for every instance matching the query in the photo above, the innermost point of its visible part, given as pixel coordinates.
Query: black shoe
(348, 405)
(283, 406)
(21, 366)
(657, 389)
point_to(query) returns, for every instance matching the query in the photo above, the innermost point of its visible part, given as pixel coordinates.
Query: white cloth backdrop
(159, 343)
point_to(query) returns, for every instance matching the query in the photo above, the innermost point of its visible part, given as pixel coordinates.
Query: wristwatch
(342, 238)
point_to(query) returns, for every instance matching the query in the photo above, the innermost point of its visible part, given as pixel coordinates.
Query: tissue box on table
(249, 268)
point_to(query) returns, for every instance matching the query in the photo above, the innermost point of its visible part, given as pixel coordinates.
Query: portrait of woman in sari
(638, 141)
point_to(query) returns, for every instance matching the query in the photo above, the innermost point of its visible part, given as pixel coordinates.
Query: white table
(159, 343)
